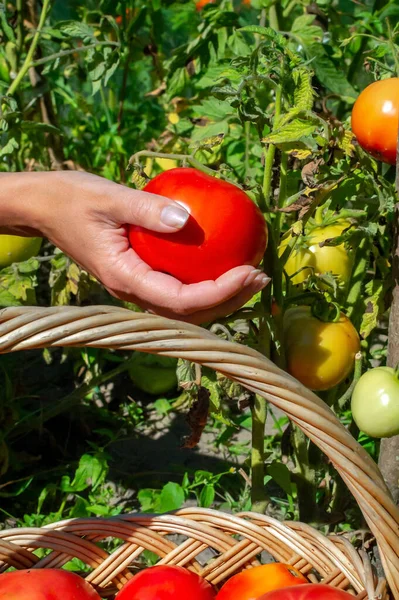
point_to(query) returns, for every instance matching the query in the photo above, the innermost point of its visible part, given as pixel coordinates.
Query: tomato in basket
(45, 584)
(252, 583)
(166, 582)
(311, 591)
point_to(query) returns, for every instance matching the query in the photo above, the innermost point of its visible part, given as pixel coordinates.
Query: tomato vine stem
(31, 52)
(259, 498)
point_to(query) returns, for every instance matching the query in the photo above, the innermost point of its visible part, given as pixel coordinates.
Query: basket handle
(25, 328)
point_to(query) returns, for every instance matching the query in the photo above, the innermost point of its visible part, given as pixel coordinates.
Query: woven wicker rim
(235, 542)
(24, 328)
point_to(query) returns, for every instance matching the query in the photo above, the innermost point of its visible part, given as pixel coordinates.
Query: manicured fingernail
(174, 216)
(252, 276)
(261, 281)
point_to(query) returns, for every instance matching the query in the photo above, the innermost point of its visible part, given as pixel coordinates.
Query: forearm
(24, 201)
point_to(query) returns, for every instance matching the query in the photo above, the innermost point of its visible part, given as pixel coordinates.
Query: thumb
(151, 211)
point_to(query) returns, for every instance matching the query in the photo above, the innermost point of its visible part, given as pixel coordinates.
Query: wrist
(24, 202)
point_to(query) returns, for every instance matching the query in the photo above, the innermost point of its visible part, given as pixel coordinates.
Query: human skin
(86, 216)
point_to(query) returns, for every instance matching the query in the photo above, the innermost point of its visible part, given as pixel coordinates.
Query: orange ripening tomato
(252, 583)
(311, 591)
(166, 582)
(319, 354)
(45, 584)
(129, 14)
(375, 119)
(201, 3)
(225, 229)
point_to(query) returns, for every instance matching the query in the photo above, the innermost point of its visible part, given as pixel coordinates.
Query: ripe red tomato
(225, 229)
(45, 584)
(375, 119)
(252, 583)
(311, 591)
(166, 583)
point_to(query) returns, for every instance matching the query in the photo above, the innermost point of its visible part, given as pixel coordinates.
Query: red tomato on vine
(225, 229)
(375, 119)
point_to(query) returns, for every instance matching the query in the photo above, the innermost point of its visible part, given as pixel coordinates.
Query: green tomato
(153, 374)
(375, 403)
(315, 259)
(17, 249)
(4, 70)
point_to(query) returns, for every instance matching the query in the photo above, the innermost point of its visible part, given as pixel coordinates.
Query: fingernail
(252, 276)
(174, 216)
(261, 281)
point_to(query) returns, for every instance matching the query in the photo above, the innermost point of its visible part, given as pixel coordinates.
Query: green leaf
(77, 29)
(267, 32)
(91, 472)
(9, 146)
(4, 26)
(171, 498)
(30, 126)
(294, 131)
(207, 496)
(304, 93)
(282, 476)
(329, 73)
(375, 291)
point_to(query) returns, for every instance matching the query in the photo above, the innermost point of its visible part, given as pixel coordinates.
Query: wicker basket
(235, 541)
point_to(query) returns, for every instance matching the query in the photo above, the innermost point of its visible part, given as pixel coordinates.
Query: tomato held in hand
(375, 402)
(319, 354)
(17, 249)
(166, 583)
(311, 258)
(225, 229)
(45, 584)
(375, 119)
(311, 591)
(252, 583)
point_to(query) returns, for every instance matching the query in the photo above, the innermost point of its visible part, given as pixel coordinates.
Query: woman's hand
(86, 216)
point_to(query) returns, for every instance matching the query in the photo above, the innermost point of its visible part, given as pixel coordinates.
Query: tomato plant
(225, 229)
(319, 354)
(45, 584)
(311, 591)
(153, 374)
(166, 583)
(252, 583)
(310, 257)
(14, 248)
(375, 119)
(375, 402)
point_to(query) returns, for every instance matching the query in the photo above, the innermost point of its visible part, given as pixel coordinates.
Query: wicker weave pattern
(112, 327)
(333, 560)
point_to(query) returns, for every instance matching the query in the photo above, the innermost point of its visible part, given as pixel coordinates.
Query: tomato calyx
(328, 312)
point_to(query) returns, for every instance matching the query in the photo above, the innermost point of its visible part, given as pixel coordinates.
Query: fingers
(167, 296)
(148, 210)
(227, 308)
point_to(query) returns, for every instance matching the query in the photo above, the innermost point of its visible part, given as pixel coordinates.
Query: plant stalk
(31, 52)
(258, 495)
